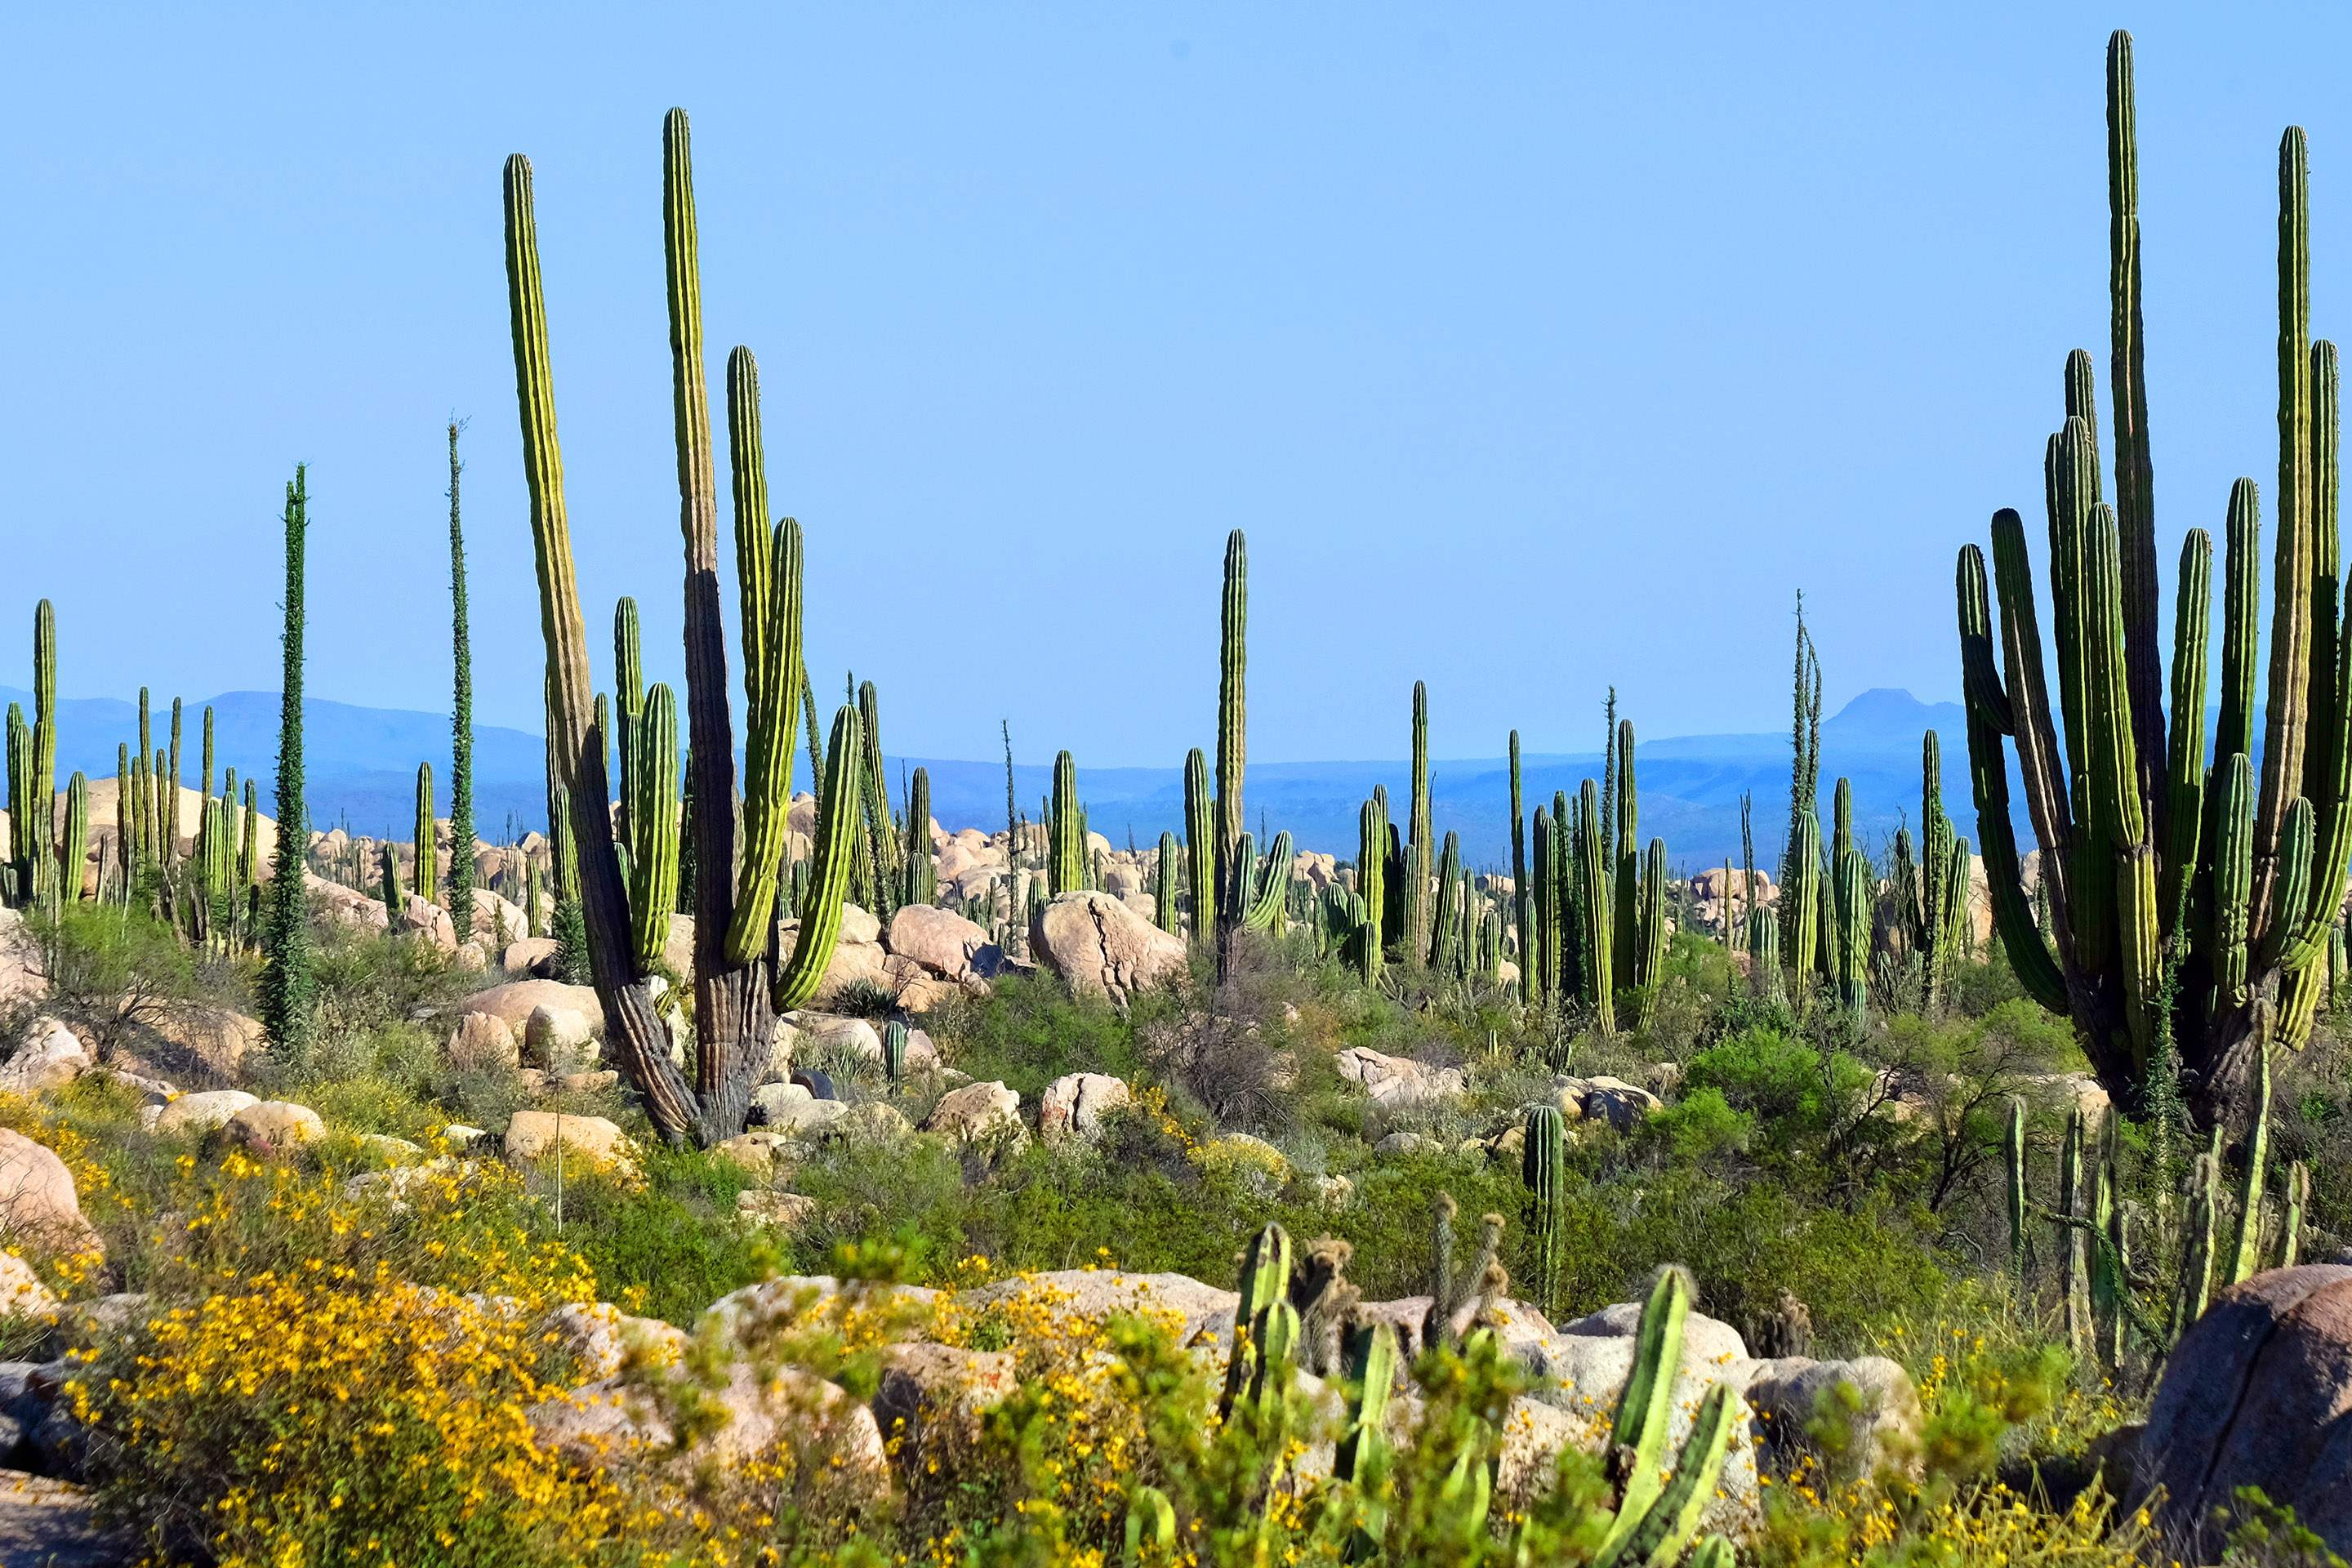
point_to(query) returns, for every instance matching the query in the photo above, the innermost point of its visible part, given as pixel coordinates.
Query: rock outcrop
(1100, 947)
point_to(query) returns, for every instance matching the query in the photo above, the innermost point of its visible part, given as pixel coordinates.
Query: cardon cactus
(1625, 861)
(2013, 1167)
(1233, 872)
(1066, 830)
(736, 994)
(1594, 919)
(894, 1053)
(1363, 1456)
(1764, 955)
(1658, 1512)
(1444, 947)
(41, 793)
(1265, 883)
(629, 688)
(882, 828)
(2144, 907)
(1421, 852)
(76, 843)
(922, 870)
(2247, 1255)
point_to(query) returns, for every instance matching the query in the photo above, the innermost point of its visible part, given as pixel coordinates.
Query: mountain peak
(1888, 716)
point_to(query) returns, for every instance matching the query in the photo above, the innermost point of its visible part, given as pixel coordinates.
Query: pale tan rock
(348, 906)
(601, 1339)
(559, 1040)
(39, 1205)
(274, 1126)
(21, 979)
(1396, 1082)
(422, 917)
(592, 1140)
(1100, 947)
(217, 1037)
(51, 1056)
(1073, 1106)
(942, 941)
(531, 956)
(976, 1111)
(483, 1041)
(22, 1294)
(513, 1001)
(781, 1210)
(754, 1150)
(201, 1112)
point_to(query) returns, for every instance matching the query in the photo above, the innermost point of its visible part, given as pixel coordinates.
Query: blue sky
(1536, 347)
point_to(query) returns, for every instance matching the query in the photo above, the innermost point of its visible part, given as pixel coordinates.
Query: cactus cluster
(737, 992)
(2186, 908)
(1595, 903)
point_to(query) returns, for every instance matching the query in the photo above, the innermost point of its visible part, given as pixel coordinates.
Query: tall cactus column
(427, 856)
(1232, 748)
(1199, 848)
(1066, 832)
(1420, 849)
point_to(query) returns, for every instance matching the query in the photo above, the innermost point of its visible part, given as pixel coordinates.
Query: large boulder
(2257, 1393)
(217, 1037)
(1621, 1104)
(1189, 1307)
(198, 1112)
(531, 956)
(943, 943)
(559, 1040)
(51, 1057)
(22, 1293)
(976, 1111)
(1100, 947)
(346, 905)
(483, 1041)
(588, 1141)
(39, 1205)
(273, 1126)
(1884, 1421)
(420, 917)
(512, 1003)
(1396, 1082)
(619, 1423)
(21, 976)
(1073, 1106)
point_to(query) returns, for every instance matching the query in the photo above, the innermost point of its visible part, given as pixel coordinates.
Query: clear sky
(1536, 347)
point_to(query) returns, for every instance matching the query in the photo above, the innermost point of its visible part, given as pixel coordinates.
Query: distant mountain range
(360, 765)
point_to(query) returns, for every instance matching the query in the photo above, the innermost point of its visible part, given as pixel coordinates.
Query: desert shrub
(111, 970)
(863, 999)
(329, 1412)
(1031, 1030)
(670, 1245)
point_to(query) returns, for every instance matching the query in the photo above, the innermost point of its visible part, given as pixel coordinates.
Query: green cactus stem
(1169, 878)
(1764, 955)
(2298, 1199)
(922, 870)
(1265, 1285)
(1445, 951)
(894, 1053)
(837, 813)
(2246, 1255)
(1421, 850)
(650, 788)
(427, 860)
(1151, 1523)
(1371, 868)
(1626, 949)
(1066, 829)
(75, 847)
(1596, 964)
(1522, 916)
(1645, 1409)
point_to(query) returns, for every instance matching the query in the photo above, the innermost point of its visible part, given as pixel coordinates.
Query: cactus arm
(1200, 847)
(1647, 1406)
(651, 792)
(1269, 887)
(2288, 712)
(2039, 768)
(1520, 914)
(2327, 762)
(1444, 931)
(2135, 480)
(768, 567)
(634, 1031)
(1988, 710)
(2233, 871)
(1264, 1283)
(2122, 824)
(2290, 889)
(2185, 762)
(1666, 1529)
(1232, 738)
(1371, 867)
(834, 852)
(1626, 859)
(2070, 472)
(1371, 1372)
(1420, 851)
(2246, 1257)
(1163, 901)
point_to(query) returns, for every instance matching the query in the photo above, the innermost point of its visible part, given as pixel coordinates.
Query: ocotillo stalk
(2246, 1256)
(2013, 1151)
(1421, 850)
(461, 720)
(2073, 1287)
(1233, 744)
(1200, 847)
(288, 988)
